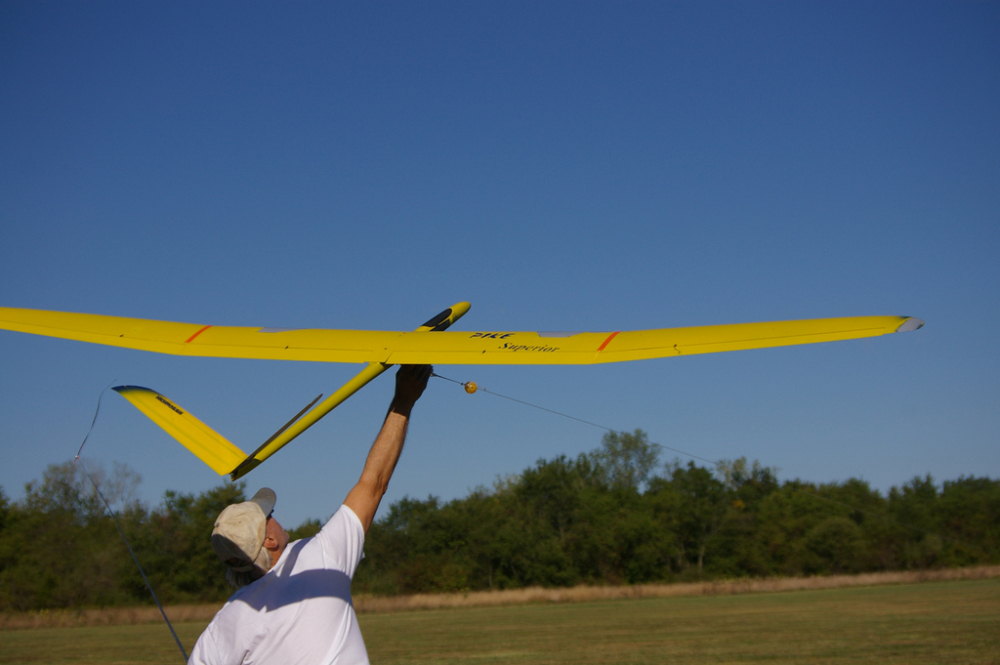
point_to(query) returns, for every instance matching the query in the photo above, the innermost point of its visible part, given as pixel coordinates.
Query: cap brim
(265, 498)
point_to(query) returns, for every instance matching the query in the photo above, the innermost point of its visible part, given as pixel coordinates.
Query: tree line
(615, 515)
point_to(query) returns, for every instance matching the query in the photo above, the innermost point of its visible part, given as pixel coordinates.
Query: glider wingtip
(127, 389)
(911, 323)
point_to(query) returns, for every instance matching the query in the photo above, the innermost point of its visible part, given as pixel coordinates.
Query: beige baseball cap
(240, 529)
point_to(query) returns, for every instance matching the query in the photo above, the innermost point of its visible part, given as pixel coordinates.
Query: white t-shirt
(300, 611)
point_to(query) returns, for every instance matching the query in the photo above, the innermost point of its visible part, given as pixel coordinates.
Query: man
(295, 602)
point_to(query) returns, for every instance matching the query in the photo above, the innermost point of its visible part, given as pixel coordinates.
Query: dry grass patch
(113, 616)
(122, 616)
(722, 587)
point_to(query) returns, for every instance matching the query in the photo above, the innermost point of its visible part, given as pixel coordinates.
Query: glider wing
(381, 349)
(486, 347)
(210, 446)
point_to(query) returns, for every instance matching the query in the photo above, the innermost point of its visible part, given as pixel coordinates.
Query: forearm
(366, 496)
(388, 446)
(384, 454)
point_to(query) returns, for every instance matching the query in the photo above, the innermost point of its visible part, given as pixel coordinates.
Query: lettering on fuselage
(510, 346)
(542, 348)
(160, 397)
(490, 335)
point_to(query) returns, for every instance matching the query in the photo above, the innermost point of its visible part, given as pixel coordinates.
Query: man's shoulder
(339, 544)
(343, 520)
(343, 526)
(234, 611)
(344, 514)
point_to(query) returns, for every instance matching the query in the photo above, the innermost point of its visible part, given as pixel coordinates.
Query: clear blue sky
(563, 166)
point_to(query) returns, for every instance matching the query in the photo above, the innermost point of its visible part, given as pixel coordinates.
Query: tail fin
(207, 444)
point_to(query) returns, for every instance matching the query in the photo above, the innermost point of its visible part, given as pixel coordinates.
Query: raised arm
(364, 498)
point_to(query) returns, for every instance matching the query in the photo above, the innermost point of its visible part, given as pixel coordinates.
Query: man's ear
(270, 543)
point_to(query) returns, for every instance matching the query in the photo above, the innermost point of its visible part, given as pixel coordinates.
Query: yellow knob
(470, 387)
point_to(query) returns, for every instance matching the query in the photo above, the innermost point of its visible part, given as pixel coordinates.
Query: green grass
(942, 622)
(148, 643)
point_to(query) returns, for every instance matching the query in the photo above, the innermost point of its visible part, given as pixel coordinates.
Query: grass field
(937, 622)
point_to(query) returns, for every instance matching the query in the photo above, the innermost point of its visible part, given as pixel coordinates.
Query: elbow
(376, 484)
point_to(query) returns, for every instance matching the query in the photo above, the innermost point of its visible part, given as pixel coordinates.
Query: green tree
(834, 545)
(737, 547)
(702, 505)
(969, 519)
(174, 545)
(626, 460)
(4, 512)
(913, 511)
(59, 547)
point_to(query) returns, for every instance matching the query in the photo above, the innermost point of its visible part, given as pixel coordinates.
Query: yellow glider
(381, 349)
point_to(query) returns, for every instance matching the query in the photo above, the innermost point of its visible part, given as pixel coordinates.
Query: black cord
(697, 457)
(579, 420)
(120, 530)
